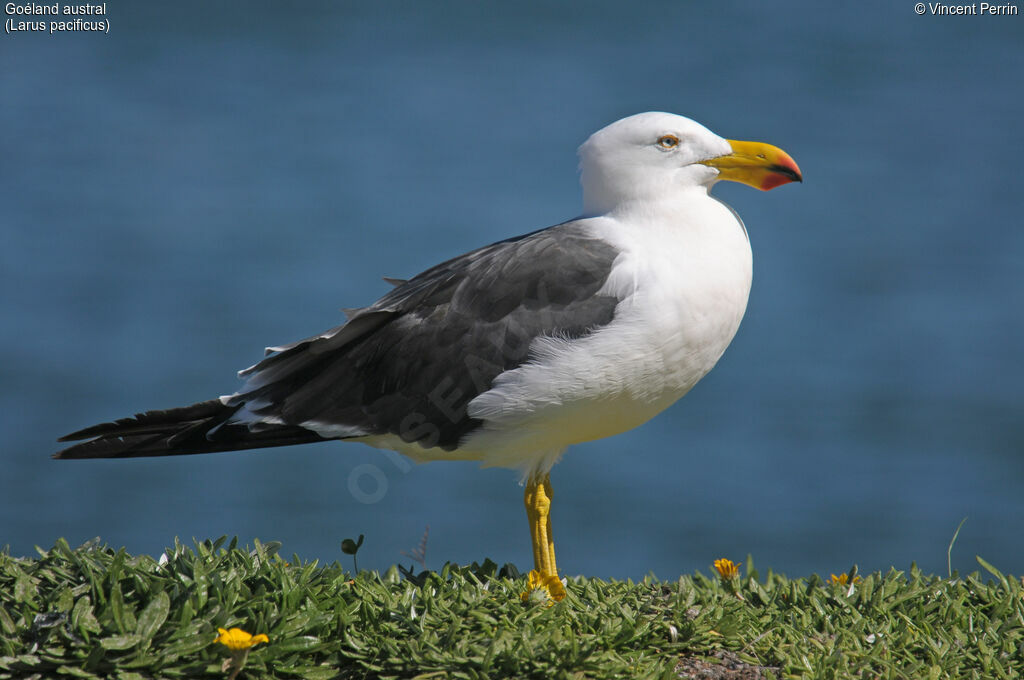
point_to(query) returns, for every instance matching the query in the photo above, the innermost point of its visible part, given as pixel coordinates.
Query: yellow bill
(762, 166)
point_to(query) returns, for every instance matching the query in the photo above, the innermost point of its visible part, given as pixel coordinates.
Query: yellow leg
(538, 510)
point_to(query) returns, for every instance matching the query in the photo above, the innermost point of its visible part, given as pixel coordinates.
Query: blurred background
(211, 178)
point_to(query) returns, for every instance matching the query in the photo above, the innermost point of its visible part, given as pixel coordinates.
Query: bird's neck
(644, 206)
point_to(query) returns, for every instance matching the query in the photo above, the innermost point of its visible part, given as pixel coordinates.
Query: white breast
(683, 276)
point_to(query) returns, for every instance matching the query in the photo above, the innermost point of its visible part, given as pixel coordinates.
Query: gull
(512, 352)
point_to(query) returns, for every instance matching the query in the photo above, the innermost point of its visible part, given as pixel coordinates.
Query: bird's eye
(668, 141)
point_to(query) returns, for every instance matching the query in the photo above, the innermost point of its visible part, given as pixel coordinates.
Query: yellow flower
(237, 639)
(550, 585)
(727, 569)
(842, 579)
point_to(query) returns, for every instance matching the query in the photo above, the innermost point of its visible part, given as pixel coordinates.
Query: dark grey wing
(411, 362)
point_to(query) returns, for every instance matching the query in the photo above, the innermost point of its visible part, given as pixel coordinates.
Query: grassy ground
(96, 612)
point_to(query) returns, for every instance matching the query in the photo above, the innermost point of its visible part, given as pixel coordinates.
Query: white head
(650, 156)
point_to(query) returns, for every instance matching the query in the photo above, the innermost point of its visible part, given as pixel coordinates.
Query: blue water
(210, 179)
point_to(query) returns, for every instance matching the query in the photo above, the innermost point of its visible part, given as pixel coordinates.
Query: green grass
(97, 612)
